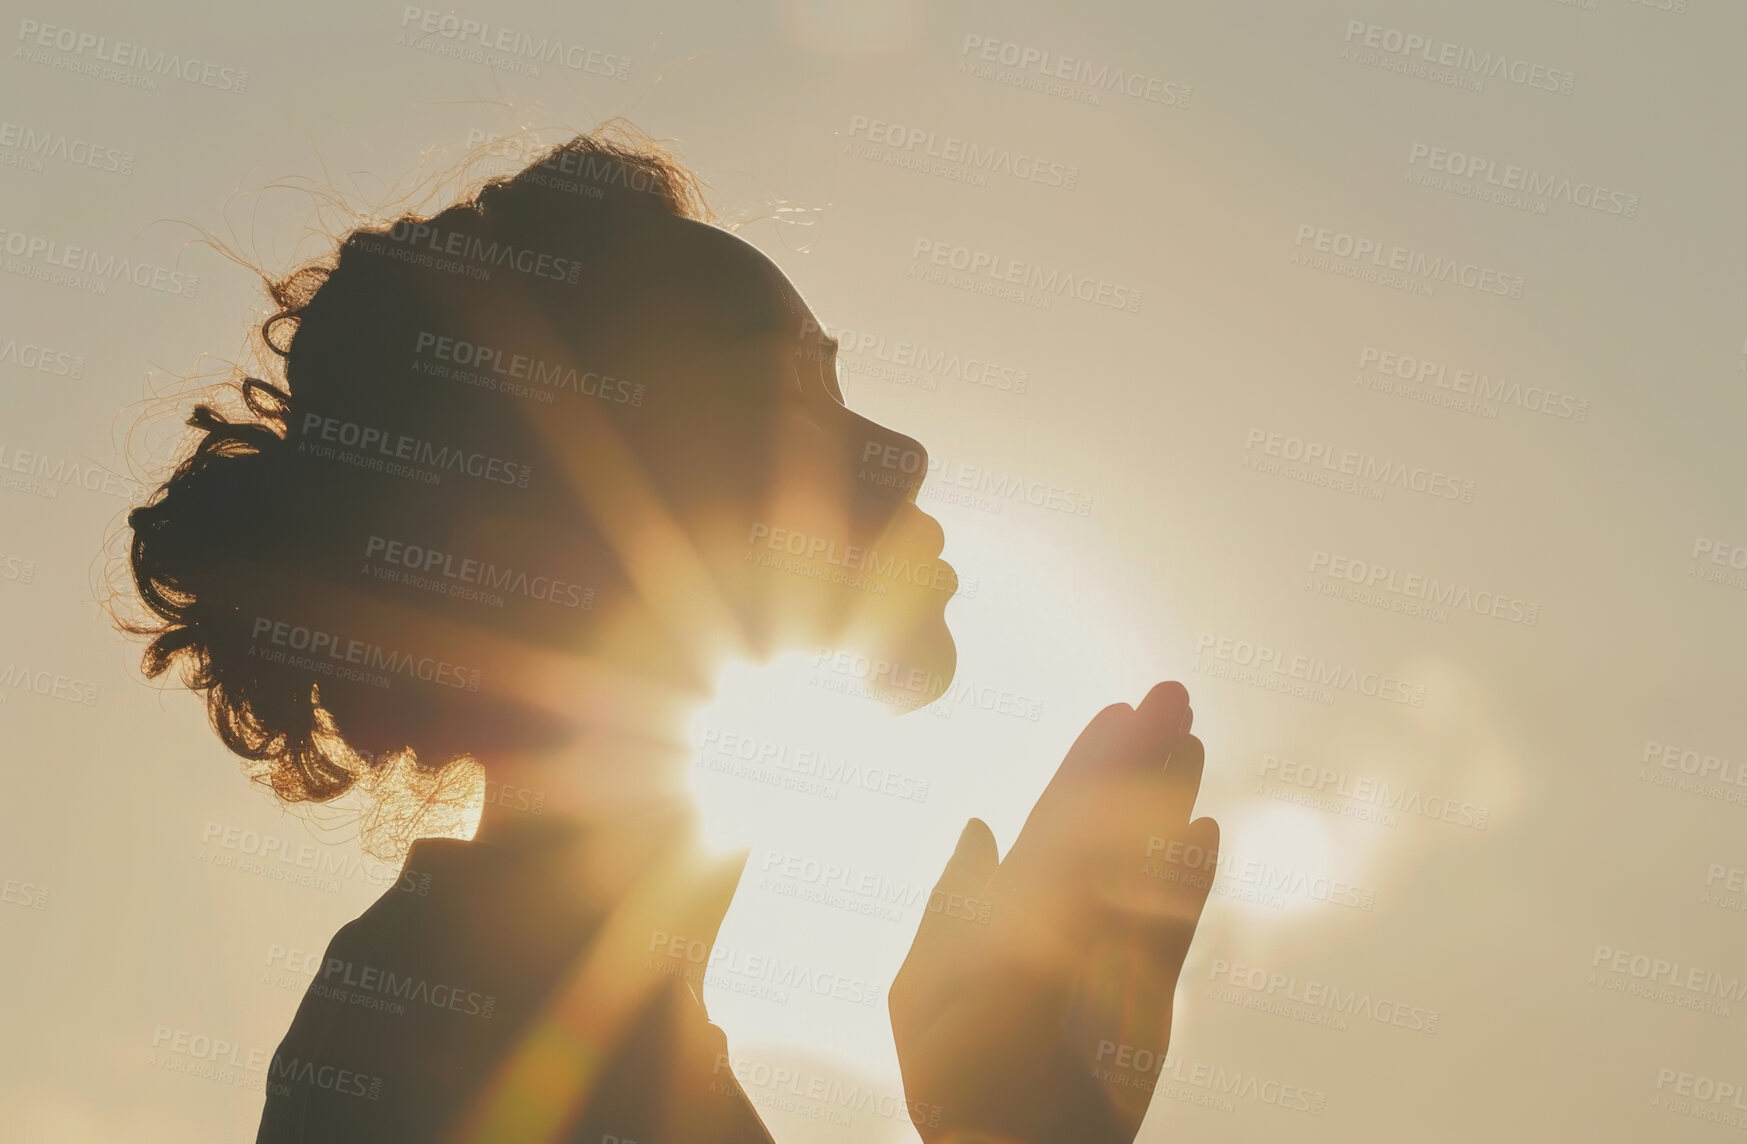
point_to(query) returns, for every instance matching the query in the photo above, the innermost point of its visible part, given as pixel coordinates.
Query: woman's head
(561, 444)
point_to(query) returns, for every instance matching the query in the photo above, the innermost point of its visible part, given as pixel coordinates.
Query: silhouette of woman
(505, 506)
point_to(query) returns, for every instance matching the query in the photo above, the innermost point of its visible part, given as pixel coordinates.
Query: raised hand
(1035, 979)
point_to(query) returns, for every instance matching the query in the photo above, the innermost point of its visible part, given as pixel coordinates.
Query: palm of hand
(1031, 977)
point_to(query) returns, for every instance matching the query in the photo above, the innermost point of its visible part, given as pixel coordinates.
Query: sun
(785, 743)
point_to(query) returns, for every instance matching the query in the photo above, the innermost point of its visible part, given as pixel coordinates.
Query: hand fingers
(1164, 712)
(1142, 740)
(974, 860)
(1200, 863)
(1157, 810)
(1093, 755)
(962, 893)
(1121, 738)
(1103, 820)
(1153, 876)
(1096, 748)
(1091, 799)
(1181, 781)
(944, 949)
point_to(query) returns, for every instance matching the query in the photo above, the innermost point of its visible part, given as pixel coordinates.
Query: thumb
(973, 861)
(961, 894)
(944, 948)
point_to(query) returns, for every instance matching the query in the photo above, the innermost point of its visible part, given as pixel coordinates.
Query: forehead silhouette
(685, 287)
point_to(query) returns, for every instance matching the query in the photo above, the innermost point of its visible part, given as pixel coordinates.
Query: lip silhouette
(928, 535)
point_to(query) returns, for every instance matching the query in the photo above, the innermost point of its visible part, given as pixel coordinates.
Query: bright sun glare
(779, 743)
